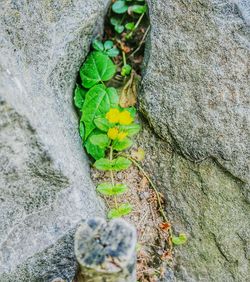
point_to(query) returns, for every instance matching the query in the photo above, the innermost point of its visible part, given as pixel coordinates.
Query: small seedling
(119, 28)
(107, 48)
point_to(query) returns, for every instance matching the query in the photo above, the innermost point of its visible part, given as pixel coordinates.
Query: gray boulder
(195, 95)
(45, 188)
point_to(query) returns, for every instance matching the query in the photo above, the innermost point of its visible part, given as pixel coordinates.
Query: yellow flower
(125, 118)
(113, 115)
(121, 135)
(113, 133)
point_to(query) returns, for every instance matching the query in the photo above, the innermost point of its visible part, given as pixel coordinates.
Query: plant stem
(112, 175)
(124, 58)
(136, 25)
(156, 192)
(122, 19)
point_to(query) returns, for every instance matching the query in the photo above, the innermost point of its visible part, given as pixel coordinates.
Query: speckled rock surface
(195, 95)
(45, 187)
(197, 84)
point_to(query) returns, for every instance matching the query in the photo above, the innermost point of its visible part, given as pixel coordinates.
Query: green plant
(107, 124)
(104, 125)
(128, 8)
(117, 127)
(107, 48)
(118, 26)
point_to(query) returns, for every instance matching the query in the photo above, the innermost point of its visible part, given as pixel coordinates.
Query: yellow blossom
(125, 118)
(113, 133)
(121, 135)
(113, 115)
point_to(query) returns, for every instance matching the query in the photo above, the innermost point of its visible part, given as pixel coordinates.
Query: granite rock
(195, 96)
(45, 187)
(196, 85)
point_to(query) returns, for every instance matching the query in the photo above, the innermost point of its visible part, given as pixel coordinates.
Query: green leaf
(119, 28)
(122, 210)
(118, 164)
(98, 67)
(114, 21)
(132, 110)
(138, 9)
(103, 164)
(131, 129)
(108, 44)
(81, 129)
(122, 145)
(109, 190)
(130, 26)
(100, 140)
(119, 7)
(103, 124)
(121, 163)
(97, 45)
(98, 101)
(79, 96)
(95, 151)
(126, 69)
(113, 52)
(181, 239)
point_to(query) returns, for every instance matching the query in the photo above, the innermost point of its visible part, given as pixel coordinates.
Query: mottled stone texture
(45, 189)
(106, 251)
(197, 85)
(195, 95)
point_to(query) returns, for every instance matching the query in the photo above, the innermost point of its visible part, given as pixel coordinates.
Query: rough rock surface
(195, 95)
(197, 82)
(45, 187)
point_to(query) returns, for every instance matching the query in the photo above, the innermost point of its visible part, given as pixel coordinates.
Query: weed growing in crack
(108, 116)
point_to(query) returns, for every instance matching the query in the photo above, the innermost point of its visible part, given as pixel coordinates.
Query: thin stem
(156, 192)
(124, 58)
(112, 175)
(122, 19)
(136, 25)
(140, 44)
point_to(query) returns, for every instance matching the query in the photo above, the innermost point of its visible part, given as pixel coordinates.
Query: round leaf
(114, 21)
(95, 151)
(131, 129)
(98, 101)
(109, 190)
(130, 26)
(181, 239)
(108, 44)
(138, 9)
(103, 164)
(98, 67)
(119, 28)
(113, 52)
(97, 45)
(100, 140)
(119, 7)
(103, 124)
(122, 210)
(120, 163)
(123, 144)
